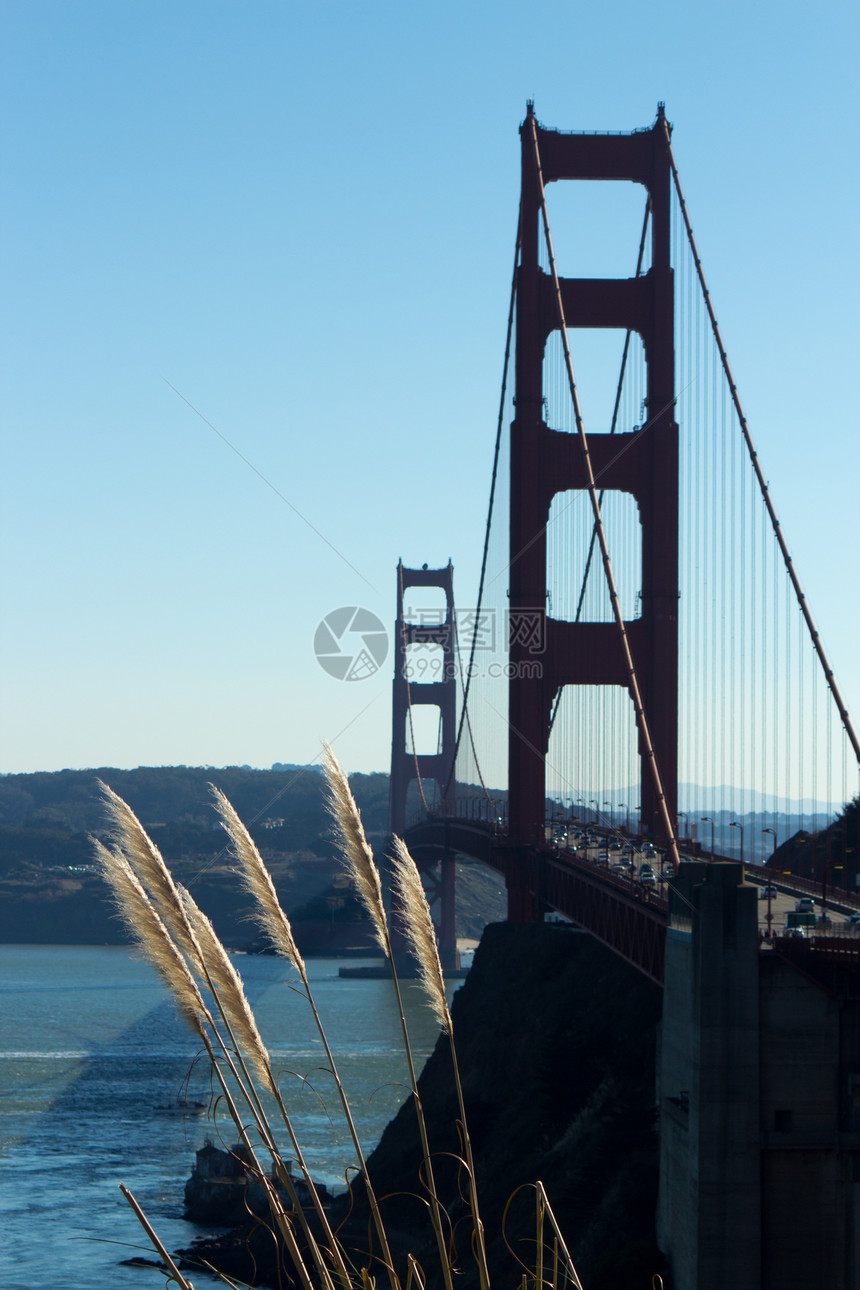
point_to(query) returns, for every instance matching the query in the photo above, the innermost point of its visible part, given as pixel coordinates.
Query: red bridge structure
(638, 616)
(639, 668)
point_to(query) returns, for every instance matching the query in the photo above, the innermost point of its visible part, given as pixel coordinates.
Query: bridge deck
(627, 914)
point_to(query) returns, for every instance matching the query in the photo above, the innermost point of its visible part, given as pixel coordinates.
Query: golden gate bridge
(640, 654)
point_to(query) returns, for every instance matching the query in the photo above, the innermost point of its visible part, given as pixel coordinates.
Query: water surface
(92, 1051)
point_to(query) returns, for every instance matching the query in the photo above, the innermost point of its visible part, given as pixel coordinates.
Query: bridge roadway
(625, 909)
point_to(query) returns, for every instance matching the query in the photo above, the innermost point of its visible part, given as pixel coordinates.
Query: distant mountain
(747, 801)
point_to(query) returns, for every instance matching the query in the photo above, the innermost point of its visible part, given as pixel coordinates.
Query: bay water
(95, 1065)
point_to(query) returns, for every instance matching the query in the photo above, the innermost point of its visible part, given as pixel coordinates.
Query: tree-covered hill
(50, 892)
(180, 796)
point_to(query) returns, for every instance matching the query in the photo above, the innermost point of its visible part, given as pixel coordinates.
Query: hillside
(49, 892)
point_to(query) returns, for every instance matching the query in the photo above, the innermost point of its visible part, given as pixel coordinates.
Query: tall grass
(179, 940)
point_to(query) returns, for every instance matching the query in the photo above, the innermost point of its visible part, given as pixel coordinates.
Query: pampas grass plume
(258, 882)
(145, 858)
(151, 936)
(230, 993)
(419, 931)
(355, 847)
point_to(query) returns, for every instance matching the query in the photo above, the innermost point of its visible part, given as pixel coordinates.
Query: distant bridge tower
(545, 462)
(430, 627)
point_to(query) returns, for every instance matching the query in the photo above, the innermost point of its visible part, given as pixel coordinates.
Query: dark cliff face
(556, 1042)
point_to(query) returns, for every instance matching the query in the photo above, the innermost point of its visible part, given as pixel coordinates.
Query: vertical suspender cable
(464, 717)
(795, 582)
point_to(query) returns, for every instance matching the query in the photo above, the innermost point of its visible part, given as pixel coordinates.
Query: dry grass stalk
(546, 1211)
(228, 989)
(258, 882)
(419, 930)
(146, 860)
(175, 1274)
(272, 920)
(151, 936)
(129, 874)
(154, 939)
(421, 939)
(355, 848)
(361, 867)
(249, 1047)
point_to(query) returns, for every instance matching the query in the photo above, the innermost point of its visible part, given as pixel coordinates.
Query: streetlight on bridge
(768, 933)
(706, 819)
(734, 825)
(772, 832)
(828, 866)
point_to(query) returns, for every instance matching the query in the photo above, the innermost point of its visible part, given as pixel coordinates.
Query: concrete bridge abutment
(709, 1221)
(758, 1088)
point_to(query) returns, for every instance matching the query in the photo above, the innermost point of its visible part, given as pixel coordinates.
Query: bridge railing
(838, 895)
(480, 809)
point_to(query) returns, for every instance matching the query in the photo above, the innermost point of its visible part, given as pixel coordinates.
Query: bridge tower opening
(545, 462)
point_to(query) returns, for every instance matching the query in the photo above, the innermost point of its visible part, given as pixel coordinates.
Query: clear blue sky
(302, 218)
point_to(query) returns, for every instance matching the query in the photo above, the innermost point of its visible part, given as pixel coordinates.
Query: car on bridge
(805, 905)
(768, 891)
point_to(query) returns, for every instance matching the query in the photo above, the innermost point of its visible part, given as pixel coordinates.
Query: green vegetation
(46, 820)
(830, 855)
(179, 795)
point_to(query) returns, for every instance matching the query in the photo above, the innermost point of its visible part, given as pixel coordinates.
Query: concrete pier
(759, 1098)
(709, 1221)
